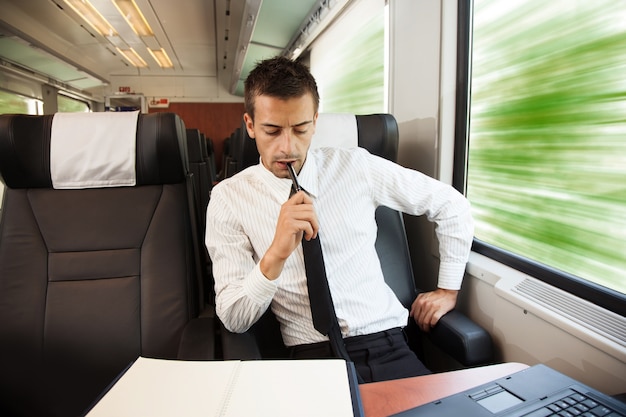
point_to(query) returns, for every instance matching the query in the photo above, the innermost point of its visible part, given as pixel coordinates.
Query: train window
(11, 103)
(348, 61)
(543, 137)
(71, 105)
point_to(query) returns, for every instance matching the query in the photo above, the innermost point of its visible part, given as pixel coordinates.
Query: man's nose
(286, 141)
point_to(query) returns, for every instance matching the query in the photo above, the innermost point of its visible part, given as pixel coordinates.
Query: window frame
(604, 297)
(65, 96)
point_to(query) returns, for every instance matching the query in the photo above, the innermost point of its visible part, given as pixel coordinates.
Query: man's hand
(297, 218)
(429, 307)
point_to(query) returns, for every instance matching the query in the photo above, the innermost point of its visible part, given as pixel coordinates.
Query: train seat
(200, 169)
(467, 342)
(209, 155)
(97, 256)
(202, 185)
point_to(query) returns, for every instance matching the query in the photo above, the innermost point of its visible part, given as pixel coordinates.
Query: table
(381, 399)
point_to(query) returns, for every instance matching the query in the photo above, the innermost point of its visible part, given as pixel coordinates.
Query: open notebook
(159, 387)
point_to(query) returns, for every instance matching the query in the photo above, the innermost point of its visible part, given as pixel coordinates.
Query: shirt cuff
(451, 275)
(258, 287)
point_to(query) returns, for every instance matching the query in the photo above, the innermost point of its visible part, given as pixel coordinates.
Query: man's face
(282, 130)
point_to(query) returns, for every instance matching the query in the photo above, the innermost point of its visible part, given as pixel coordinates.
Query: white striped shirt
(347, 185)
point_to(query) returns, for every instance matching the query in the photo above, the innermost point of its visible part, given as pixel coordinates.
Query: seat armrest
(239, 345)
(463, 339)
(262, 340)
(198, 340)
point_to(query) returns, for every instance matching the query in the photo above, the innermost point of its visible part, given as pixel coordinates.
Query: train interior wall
(216, 120)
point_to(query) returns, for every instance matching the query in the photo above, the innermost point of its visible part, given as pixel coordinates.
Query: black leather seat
(209, 156)
(197, 153)
(455, 334)
(92, 278)
(202, 185)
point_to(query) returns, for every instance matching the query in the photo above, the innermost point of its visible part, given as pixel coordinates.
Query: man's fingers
(426, 319)
(300, 208)
(429, 307)
(301, 197)
(305, 230)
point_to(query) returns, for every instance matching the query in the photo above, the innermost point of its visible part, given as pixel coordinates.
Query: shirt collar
(308, 177)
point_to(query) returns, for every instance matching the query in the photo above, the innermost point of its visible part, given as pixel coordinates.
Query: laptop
(538, 391)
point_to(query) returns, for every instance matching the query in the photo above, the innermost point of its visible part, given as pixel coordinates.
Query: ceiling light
(133, 57)
(161, 57)
(134, 17)
(89, 13)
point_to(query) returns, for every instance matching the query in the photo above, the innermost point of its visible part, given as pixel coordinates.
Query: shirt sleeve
(243, 293)
(415, 193)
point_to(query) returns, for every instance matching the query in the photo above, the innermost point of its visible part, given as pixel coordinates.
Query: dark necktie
(322, 308)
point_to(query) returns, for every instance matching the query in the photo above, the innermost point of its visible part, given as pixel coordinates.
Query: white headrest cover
(93, 150)
(335, 130)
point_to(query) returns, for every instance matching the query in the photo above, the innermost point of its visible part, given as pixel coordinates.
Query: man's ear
(249, 124)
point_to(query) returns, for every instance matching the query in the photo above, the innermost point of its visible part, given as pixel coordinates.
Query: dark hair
(279, 77)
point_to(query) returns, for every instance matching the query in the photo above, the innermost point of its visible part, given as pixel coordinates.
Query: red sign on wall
(159, 102)
(124, 89)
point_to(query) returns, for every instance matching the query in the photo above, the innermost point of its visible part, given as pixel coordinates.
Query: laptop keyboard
(575, 404)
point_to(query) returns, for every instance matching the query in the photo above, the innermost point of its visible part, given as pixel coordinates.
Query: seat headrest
(336, 130)
(378, 133)
(92, 150)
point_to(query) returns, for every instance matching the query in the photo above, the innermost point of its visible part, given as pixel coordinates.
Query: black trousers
(377, 357)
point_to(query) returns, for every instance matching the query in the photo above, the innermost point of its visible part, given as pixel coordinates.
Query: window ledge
(593, 324)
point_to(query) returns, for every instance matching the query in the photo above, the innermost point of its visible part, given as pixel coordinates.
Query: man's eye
(300, 131)
(272, 132)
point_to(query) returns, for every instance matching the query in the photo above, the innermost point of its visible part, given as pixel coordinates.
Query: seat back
(209, 155)
(198, 166)
(455, 334)
(202, 185)
(93, 272)
(242, 152)
(378, 133)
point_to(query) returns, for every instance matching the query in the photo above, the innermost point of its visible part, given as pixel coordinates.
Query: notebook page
(158, 387)
(291, 388)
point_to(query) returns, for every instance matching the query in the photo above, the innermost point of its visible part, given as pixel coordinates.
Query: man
(255, 231)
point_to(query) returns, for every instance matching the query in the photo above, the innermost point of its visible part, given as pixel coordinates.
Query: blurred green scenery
(351, 78)
(547, 141)
(14, 104)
